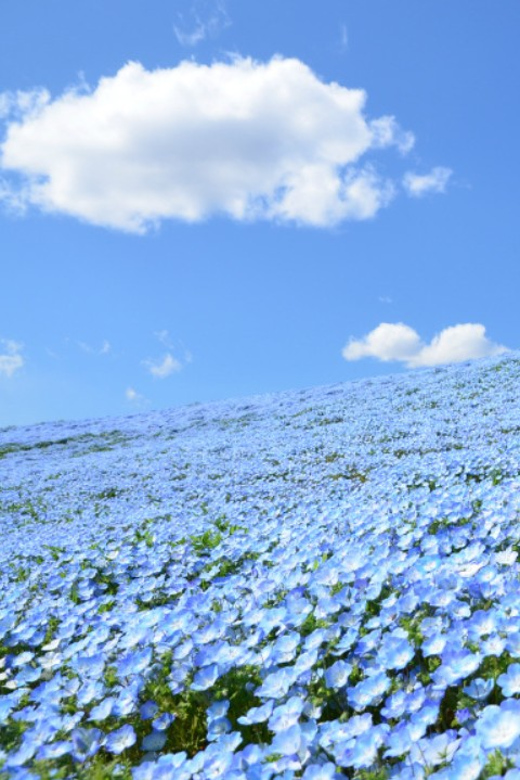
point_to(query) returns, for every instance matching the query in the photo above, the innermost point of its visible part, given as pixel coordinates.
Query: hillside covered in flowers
(316, 584)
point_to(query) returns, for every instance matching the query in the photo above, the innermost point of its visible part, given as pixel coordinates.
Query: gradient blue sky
(108, 307)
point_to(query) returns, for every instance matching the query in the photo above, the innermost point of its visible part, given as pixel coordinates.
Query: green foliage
(497, 764)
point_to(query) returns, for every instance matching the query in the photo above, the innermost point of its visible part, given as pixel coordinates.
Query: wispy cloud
(103, 350)
(10, 358)
(419, 185)
(245, 139)
(206, 19)
(343, 37)
(401, 343)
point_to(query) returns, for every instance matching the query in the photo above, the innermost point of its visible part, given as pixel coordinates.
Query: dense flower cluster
(317, 584)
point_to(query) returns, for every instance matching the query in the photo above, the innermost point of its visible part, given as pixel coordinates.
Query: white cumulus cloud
(241, 138)
(10, 357)
(163, 367)
(435, 181)
(399, 342)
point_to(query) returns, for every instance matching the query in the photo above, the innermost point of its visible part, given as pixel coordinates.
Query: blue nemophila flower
(217, 727)
(455, 667)
(479, 689)
(364, 751)
(286, 715)
(320, 772)
(315, 639)
(121, 739)
(432, 751)
(148, 710)
(426, 716)
(284, 649)
(287, 742)
(305, 662)
(402, 738)
(86, 742)
(54, 750)
(23, 658)
(90, 666)
(154, 741)
(126, 701)
(103, 710)
(395, 706)
(217, 710)
(467, 763)
(21, 756)
(513, 644)
(493, 645)
(336, 676)
(134, 663)
(167, 766)
(396, 653)
(276, 685)
(163, 721)
(368, 691)
(257, 714)
(482, 623)
(345, 643)
(499, 726)
(205, 678)
(510, 681)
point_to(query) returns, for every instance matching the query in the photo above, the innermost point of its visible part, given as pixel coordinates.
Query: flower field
(316, 584)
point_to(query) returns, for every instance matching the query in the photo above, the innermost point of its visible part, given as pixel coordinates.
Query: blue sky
(202, 200)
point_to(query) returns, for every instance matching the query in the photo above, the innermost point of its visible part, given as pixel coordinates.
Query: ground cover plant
(316, 584)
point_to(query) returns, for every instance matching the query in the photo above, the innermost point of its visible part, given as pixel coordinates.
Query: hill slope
(313, 584)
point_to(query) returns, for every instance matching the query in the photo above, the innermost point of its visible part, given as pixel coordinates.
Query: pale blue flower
(154, 741)
(121, 739)
(499, 726)
(205, 678)
(479, 689)
(336, 676)
(510, 681)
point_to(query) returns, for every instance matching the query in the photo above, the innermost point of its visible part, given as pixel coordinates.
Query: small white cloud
(385, 299)
(136, 399)
(399, 342)
(163, 368)
(206, 19)
(435, 181)
(10, 358)
(455, 344)
(386, 342)
(244, 139)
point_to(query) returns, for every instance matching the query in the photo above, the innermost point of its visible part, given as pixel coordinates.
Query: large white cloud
(246, 139)
(399, 342)
(10, 358)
